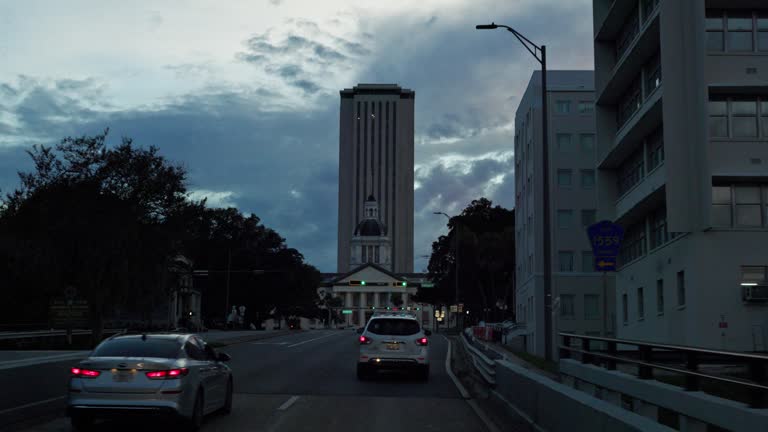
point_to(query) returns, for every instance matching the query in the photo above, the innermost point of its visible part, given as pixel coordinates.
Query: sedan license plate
(122, 376)
(393, 347)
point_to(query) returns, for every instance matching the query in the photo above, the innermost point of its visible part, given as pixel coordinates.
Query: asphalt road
(299, 382)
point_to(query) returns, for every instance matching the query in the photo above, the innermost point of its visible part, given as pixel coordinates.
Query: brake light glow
(168, 374)
(365, 340)
(84, 373)
(422, 341)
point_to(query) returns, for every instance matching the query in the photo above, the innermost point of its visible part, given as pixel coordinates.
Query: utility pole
(458, 314)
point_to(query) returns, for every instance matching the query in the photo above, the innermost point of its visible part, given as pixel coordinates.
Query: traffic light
(400, 284)
(373, 307)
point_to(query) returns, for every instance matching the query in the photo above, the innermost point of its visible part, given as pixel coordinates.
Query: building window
(629, 103)
(588, 217)
(715, 31)
(564, 177)
(587, 141)
(718, 118)
(624, 309)
(629, 30)
(744, 118)
(567, 306)
(631, 172)
(586, 107)
(588, 179)
(659, 233)
(591, 306)
(370, 253)
(565, 258)
(564, 142)
(563, 106)
(740, 205)
(633, 246)
(655, 149)
(587, 262)
(660, 296)
(681, 288)
(737, 31)
(530, 263)
(652, 74)
(376, 253)
(754, 275)
(364, 254)
(564, 218)
(740, 29)
(640, 304)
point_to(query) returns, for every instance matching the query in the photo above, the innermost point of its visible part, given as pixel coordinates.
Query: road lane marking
(465, 394)
(287, 404)
(518, 411)
(310, 340)
(7, 410)
(459, 385)
(269, 343)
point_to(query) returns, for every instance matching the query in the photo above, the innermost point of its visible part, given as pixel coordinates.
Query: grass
(536, 361)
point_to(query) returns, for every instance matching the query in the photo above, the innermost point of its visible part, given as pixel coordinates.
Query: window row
(640, 299)
(634, 244)
(592, 306)
(738, 117)
(583, 107)
(650, 154)
(586, 143)
(370, 254)
(740, 205)
(737, 31)
(566, 264)
(565, 178)
(565, 218)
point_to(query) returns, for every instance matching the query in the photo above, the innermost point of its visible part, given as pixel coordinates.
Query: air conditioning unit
(758, 293)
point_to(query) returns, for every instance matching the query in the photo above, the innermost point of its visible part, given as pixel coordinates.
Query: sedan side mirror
(428, 332)
(360, 330)
(223, 357)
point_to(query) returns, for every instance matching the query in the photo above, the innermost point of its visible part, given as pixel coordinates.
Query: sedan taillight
(168, 374)
(84, 373)
(365, 340)
(422, 341)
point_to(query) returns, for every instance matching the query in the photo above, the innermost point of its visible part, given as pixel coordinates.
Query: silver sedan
(155, 373)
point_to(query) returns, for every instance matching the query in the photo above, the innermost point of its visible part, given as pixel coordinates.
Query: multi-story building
(583, 298)
(376, 160)
(682, 141)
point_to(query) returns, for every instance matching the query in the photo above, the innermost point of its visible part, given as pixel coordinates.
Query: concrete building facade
(682, 143)
(583, 299)
(376, 151)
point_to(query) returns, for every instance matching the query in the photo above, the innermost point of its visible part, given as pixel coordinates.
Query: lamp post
(456, 270)
(540, 54)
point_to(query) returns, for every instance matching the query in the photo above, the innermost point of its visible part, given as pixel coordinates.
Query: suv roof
(394, 315)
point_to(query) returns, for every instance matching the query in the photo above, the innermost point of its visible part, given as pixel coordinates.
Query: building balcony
(631, 134)
(612, 22)
(645, 44)
(645, 191)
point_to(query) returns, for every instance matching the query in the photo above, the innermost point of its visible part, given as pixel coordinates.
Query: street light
(540, 54)
(456, 271)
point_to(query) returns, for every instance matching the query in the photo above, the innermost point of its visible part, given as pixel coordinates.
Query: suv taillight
(84, 373)
(168, 374)
(365, 340)
(422, 341)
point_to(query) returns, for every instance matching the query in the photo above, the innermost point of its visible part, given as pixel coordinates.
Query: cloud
(223, 199)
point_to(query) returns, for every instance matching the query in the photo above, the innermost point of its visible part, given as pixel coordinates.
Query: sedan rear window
(397, 327)
(136, 347)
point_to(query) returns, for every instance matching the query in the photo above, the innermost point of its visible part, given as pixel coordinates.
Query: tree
(484, 235)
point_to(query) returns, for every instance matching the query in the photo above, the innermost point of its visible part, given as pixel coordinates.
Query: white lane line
(459, 385)
(310, 340)
(7, 410)
(287, 404)
(465, 394)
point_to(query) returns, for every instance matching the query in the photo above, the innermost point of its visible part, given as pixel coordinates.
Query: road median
(219, 343)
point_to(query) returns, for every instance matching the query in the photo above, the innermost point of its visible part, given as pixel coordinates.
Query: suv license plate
(393, 347)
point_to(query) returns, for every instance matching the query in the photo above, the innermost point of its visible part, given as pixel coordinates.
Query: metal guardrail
(49, 333)
(691, 357)
(483, 364)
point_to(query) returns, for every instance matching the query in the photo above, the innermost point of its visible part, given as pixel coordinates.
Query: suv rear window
(393, 326)
(136, 347)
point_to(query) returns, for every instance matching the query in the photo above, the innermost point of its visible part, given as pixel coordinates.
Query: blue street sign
(605, 237)
(605, 264)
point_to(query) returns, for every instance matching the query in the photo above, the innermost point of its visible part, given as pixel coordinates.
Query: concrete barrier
(555, 407)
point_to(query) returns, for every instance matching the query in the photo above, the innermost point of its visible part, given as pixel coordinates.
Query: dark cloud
(306, 85)
(431, 20)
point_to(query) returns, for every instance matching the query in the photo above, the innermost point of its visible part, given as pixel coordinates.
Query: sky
(245, 94)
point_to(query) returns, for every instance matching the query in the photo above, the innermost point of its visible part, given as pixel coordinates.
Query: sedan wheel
(196, 421)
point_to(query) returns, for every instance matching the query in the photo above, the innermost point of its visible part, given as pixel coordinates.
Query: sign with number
(604, 264)
(605, 237)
